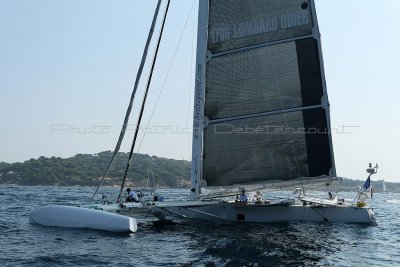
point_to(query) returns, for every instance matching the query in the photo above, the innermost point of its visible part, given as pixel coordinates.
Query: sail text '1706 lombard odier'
(258, 26)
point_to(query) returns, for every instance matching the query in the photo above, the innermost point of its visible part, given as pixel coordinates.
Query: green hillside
(86, 169)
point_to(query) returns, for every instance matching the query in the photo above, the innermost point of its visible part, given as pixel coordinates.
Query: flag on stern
(367, 183)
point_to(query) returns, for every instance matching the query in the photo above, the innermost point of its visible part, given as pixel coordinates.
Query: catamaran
(261, 118)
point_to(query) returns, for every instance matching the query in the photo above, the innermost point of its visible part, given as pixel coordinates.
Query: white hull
(251, 212)
(130, 207)
(76, 217)
(272, 213)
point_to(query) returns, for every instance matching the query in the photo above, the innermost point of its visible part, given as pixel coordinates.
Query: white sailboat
(261, 117)
(384, 188)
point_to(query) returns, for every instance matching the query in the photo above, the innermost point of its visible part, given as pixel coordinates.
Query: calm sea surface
(191, 244)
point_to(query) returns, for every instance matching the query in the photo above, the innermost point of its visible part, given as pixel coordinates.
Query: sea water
(194, 243)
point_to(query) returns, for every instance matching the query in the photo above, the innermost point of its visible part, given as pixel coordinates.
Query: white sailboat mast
(199, 88)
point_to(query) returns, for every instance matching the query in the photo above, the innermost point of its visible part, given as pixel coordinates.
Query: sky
(67, 69)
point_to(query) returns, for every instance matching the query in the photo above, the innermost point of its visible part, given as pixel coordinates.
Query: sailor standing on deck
(132, 196)
(243, 197)
(257, 197)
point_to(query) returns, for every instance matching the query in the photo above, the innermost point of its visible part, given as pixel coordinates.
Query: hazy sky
(67, 69)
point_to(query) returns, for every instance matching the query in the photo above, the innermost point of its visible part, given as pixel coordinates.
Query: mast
(199, 88)
(143, 103)
(128, 112)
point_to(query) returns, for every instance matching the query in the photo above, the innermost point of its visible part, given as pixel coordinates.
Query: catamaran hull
(130, 207)
(77, 217)
(264, 213)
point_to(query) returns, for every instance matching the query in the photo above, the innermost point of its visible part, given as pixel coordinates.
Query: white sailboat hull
(130, 207)
(76, 217)
(271, 213)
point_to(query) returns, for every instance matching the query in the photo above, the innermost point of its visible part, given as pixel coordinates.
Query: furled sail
(266, 110)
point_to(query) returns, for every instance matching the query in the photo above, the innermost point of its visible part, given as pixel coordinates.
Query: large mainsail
(261, 106)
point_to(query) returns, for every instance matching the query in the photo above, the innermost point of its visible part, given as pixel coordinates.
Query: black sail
(266, 106)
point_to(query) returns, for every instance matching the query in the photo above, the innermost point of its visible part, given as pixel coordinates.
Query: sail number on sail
(259, 26)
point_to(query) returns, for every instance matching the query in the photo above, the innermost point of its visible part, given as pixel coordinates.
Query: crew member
(132, 196)
(243, 197)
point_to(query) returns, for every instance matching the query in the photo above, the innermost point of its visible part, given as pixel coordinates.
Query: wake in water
(393, 201)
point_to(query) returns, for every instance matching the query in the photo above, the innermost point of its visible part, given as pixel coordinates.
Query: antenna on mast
(372, 170)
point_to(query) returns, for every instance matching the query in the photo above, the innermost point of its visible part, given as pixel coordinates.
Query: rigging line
(166, 77)
(128, 112)
(144, 101)
(191, 82)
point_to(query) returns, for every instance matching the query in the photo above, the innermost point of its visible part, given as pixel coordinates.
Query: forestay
(265, 109)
